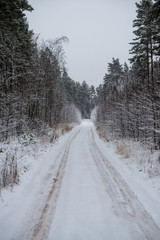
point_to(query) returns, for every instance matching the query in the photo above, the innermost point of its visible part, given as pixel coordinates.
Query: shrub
(9, 172)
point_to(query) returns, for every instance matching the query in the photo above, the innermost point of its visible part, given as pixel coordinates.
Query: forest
(36, 90)
(129, 98)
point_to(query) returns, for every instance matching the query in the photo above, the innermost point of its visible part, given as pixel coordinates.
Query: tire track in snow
(125, 203)
(39, 230)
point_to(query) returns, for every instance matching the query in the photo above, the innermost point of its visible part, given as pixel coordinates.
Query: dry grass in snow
(18, 154)
(61, 129)
(136, 155)
(140, 155)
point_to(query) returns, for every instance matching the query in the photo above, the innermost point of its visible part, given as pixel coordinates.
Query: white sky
(97, 30)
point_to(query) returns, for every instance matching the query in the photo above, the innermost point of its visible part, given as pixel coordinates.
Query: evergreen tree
(142, 48)
(114, 77)
(15, 59)
(156, 21)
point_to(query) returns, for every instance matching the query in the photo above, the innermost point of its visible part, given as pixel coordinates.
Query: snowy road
(95, 202)
(85, 197)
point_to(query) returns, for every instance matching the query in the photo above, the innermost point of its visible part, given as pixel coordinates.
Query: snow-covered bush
(61, 129)
(70, 113)
(9, 171)
(27, 139)
(94, 114)
(15, 155)
(136, 154)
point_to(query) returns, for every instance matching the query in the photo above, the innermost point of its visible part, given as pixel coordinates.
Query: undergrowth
(9, 171)
(15, 152)
(134, 153)
(60, 129)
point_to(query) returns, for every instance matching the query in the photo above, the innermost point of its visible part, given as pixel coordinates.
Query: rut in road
(125, 202)
(40, 229)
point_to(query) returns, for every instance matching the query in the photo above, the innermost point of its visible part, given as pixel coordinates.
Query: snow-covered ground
(80, 189)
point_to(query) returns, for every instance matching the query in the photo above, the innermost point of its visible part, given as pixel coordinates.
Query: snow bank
(19, 154)
(136, 170)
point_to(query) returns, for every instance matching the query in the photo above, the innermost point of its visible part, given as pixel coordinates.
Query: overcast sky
(97, 30)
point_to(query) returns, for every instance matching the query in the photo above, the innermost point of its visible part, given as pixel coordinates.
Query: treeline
(129, 98)
(35, 89)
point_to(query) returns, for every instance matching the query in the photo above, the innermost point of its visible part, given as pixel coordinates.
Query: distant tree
(114, 77)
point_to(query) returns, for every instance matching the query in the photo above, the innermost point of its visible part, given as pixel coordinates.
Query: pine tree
(156, 21)
(114, 77)
(15, 59)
